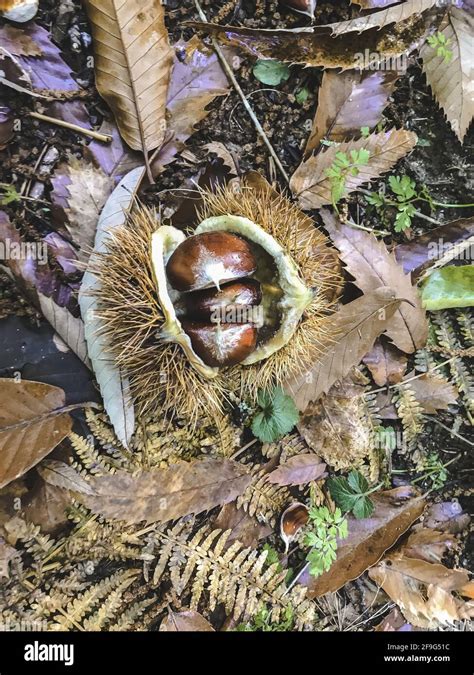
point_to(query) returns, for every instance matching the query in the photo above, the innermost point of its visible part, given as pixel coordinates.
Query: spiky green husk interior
(162, 380)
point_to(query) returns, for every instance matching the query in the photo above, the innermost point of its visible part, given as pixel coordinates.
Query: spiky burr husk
(162, 381)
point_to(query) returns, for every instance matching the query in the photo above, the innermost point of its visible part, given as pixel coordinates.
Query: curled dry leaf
(429, 545)
(451, 78)
(317, 47)
(422, 252)
(160, 495)
(433, 392)
(31, 425)
(47, 506)
(358, 324)
(311, 185)
(80, 191)
(298, 470)
(423, 591)
(385, 17)
(348, 101)
(132, 64)
(185, 621)
(292, 520)
(447, 517)
(386, 363)
(368, 539)
(114, 385)
(370, 263)
(243, 527)
(70, 328)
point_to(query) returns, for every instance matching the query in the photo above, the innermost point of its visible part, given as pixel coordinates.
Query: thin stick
(247, 106)
(241, 450)
(105, 138)
(410, 379)
(453, 433)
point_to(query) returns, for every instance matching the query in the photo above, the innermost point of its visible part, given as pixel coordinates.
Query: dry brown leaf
(395, 511)
(447, 517)
(433, 392)
(386, 363)
(423, 591)
(185, 621)
(394, 621)
(68, 327)
(357, 325)
(160, 495)
(317, 47)
(451, 79)
(429, 545)
(244, 527)
(47, 507)
(298, 470)
(312, 187)
(17, 42)
(397, 14)
(337, 429)
(31, 425)
(348, 101)
(370, 263)
(80, 191)
(63, 476)
(132, 65)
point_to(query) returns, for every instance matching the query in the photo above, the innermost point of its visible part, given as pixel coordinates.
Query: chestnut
(211, 304)
(209, 259)
(221, 345)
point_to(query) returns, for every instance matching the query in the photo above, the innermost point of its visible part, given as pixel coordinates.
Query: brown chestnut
(211, 304)
(221, 345)
(209, 259)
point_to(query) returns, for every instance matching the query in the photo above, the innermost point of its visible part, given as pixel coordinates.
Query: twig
(241, 450)
(247, 106)
(105, 138)
(410, 379)
(22, 90)
(453, 433)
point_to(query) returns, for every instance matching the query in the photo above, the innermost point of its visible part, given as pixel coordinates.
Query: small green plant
(365, 132)
(323, 530)
(351, 494)
(271, 72)
(434, 470)
(276, 416)
(9, 195)
(302, 95)
(343, 167)
(440, 42)
(261, 623)
(405, 195)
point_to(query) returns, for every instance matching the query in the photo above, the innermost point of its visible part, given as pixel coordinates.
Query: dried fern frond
(262, 499)
(410, 413)
(235, 577)
(289, 446)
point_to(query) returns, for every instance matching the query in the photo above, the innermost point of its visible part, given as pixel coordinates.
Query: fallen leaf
(79, 193)
(311, 185)
(298, 470)
(244, 527)
(31, 425)
(17, 42)
(185, 621)
(451, 79)
(447, 517)
(422, 590)
(386, 363)
(356, 325)
(116, 159)
(337, 429)
(63, 476)
(368, 539)
(429, 545)
(423, 251)
(47, 508)
(160, 495)
(68, 327)
(114, 386)
(348, 101)
(194, 84)
(385, 17)
(433, 392)
(370, 263)
(449, 287)
(132, 64)
(317, 47)
(394, 621)
(225, 155)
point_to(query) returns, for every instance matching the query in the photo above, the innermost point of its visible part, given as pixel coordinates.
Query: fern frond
(410, 413)
(234, 577)
(262, 499)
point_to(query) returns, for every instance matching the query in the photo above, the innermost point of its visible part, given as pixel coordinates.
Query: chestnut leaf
(277, 416)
